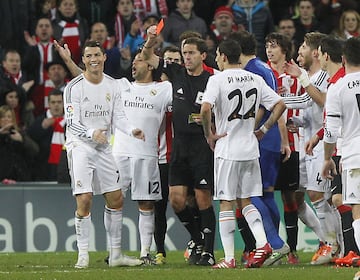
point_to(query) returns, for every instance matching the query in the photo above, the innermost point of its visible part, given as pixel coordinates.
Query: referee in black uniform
(191, 163)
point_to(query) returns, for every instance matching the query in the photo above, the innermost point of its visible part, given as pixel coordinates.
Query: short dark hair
(333, 47)
(351, 51)
(231, 49)
(200, 44)
(7, 51)
(246, 41)
(170, 48)
(55, 92)
(93, 44)
(283, 41)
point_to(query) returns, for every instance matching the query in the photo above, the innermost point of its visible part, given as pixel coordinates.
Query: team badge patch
(78, 184)
(108, 97)
(153, 92)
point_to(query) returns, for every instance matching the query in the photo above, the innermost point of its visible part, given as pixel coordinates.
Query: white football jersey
(313, 116)
(343, 110)
(145, 106)
(236, 95)
(91, 106)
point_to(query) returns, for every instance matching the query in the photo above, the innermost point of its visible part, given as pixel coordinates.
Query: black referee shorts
(191, 163)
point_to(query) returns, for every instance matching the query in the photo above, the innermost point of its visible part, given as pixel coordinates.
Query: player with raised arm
(191, 157)
(145, 103)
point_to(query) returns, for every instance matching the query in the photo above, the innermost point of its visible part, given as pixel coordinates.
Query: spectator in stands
(11, 73)
(15, 98)
(254, 17)
(13, 80)
(182, 19)
(221, 27)
(48, 132)
(118, 61)
(125, 19)
(287, 28)
(305, 22)
(57, 73)
(70, 28)
(16, 148)
(144, 8)
(349, 25)
(40, 53)
(328, 13)
(172, 54)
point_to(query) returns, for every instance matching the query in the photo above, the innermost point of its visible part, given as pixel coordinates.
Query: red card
(160, 26)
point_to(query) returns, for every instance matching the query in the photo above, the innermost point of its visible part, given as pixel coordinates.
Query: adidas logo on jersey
(203, 182)
(86, 99)
(352, 195)
(180, 91)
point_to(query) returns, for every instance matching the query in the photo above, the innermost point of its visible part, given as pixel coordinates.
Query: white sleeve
(268, 96)
(298, 102)
(211, 91)
(72, 112)
(333, 115)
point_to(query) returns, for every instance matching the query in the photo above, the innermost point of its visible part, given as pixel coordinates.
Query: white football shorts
(350, 188)
(237, 179)
(92, 170)
(141, 175)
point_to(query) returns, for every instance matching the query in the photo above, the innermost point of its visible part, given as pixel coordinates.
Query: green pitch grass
(47, 266)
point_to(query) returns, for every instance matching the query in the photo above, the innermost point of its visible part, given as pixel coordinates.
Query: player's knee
(83, 203)
(203, 198)
(177, 201)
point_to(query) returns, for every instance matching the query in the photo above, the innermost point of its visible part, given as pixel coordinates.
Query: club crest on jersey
(153, 92)
(290, 81)
(108, 97)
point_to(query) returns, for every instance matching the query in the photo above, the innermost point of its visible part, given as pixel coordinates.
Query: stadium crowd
(302, 49)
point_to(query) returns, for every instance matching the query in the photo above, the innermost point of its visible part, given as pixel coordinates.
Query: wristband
(304, 78)
(263, 129)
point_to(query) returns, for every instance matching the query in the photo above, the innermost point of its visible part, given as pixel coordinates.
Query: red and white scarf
(46, 56)
(71, 36)
(14, 78)
(57, 140)
(119, 31)
(144, 8)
